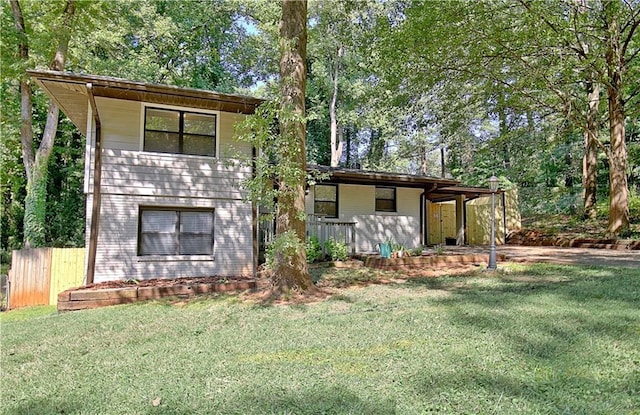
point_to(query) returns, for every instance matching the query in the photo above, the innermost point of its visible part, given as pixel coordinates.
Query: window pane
(325, 208)
(325, 193)
(198, 145)
(196, 222)
(162, 120)
(161, 142)
(385, 193)
(159, 244)
(164, 221)
(200, 244)
(199, 124)
(385, 205)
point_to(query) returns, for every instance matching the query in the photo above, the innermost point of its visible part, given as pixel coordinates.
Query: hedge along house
(411, 210)
(163, 194)
(163, 189)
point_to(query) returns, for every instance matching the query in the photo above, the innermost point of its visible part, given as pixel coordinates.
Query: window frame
(395, 199)
(336, 202)
(180, 132)
(177, 233)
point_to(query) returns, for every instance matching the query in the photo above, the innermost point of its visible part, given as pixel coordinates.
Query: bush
(338, 251)
(282, 248)
(314, 249)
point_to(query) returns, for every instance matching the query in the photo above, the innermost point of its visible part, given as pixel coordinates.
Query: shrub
(314, 249)
(282, 248)
(338, 251)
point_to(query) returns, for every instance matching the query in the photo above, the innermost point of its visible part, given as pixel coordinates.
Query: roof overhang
(69, 91)
(436, 189)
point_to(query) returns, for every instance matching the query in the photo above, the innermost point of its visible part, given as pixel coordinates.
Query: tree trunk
(36, 165)
(348, 142)
(290, 269)
(618, 192)
(590, 158)
(337, 141)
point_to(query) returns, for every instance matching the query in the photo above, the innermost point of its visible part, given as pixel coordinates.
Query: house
(163, 185)
(411, 210)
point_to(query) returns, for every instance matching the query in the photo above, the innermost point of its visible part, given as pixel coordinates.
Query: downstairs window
(175, 232)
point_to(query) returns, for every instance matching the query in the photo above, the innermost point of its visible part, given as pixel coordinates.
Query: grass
(540, 339)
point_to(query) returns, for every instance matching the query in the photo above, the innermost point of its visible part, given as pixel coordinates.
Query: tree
(36, 163)
(290, 265)
(619, 26)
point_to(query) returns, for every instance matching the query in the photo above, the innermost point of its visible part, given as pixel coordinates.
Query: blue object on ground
(385, 250)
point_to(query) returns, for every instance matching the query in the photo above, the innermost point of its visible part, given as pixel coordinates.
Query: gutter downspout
(255, 229)
(97, 173)
(423, 222)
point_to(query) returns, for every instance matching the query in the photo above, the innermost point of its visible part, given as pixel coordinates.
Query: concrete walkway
(556, 255)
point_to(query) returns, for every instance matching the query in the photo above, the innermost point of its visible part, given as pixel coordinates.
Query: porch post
(459, 220)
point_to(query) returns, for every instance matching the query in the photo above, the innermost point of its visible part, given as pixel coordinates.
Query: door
(441, 223)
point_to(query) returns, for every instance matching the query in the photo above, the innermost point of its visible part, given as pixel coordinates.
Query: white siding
(356, 203)
(117, 257)
(120, 123)
(229, 147)
(137, 173)
(132, 178)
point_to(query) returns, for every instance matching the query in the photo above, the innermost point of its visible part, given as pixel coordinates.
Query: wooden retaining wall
(407, 263)
(38, 275)
(82, 299)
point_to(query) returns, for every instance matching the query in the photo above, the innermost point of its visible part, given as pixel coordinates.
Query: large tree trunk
(590, 157)
(290, 268)
(618, 192)
(37, 165)
(337, 141)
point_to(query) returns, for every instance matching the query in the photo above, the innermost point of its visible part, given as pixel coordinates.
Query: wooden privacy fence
(38, 275)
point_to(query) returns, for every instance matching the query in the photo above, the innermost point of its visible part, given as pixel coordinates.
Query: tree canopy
(543, 93)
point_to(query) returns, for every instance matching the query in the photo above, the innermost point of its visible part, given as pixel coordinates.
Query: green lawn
(532, 339)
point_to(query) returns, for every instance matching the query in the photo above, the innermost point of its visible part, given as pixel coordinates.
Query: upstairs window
(175, 232)
(385, 199)
(179, 132)
(326, 200)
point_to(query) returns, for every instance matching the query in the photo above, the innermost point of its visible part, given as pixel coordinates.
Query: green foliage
(35, 208)
(336, 250)
(314, 249)
(282, 249)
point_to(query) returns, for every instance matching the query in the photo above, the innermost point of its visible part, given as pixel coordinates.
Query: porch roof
(70, 92)
(436, 189)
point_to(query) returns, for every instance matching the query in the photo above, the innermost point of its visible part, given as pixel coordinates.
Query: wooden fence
(38, 275)
(325, 229)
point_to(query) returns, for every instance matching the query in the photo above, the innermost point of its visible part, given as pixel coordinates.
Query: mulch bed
(163, 282)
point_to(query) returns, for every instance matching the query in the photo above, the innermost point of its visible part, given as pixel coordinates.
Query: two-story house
(163, 185)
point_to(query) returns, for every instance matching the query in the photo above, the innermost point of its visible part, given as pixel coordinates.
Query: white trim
(89, 144)
(144, 105)
(174, 258)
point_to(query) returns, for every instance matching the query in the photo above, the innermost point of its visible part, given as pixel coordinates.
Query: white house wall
(356, 203)
(117, 259)
(132, 178)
